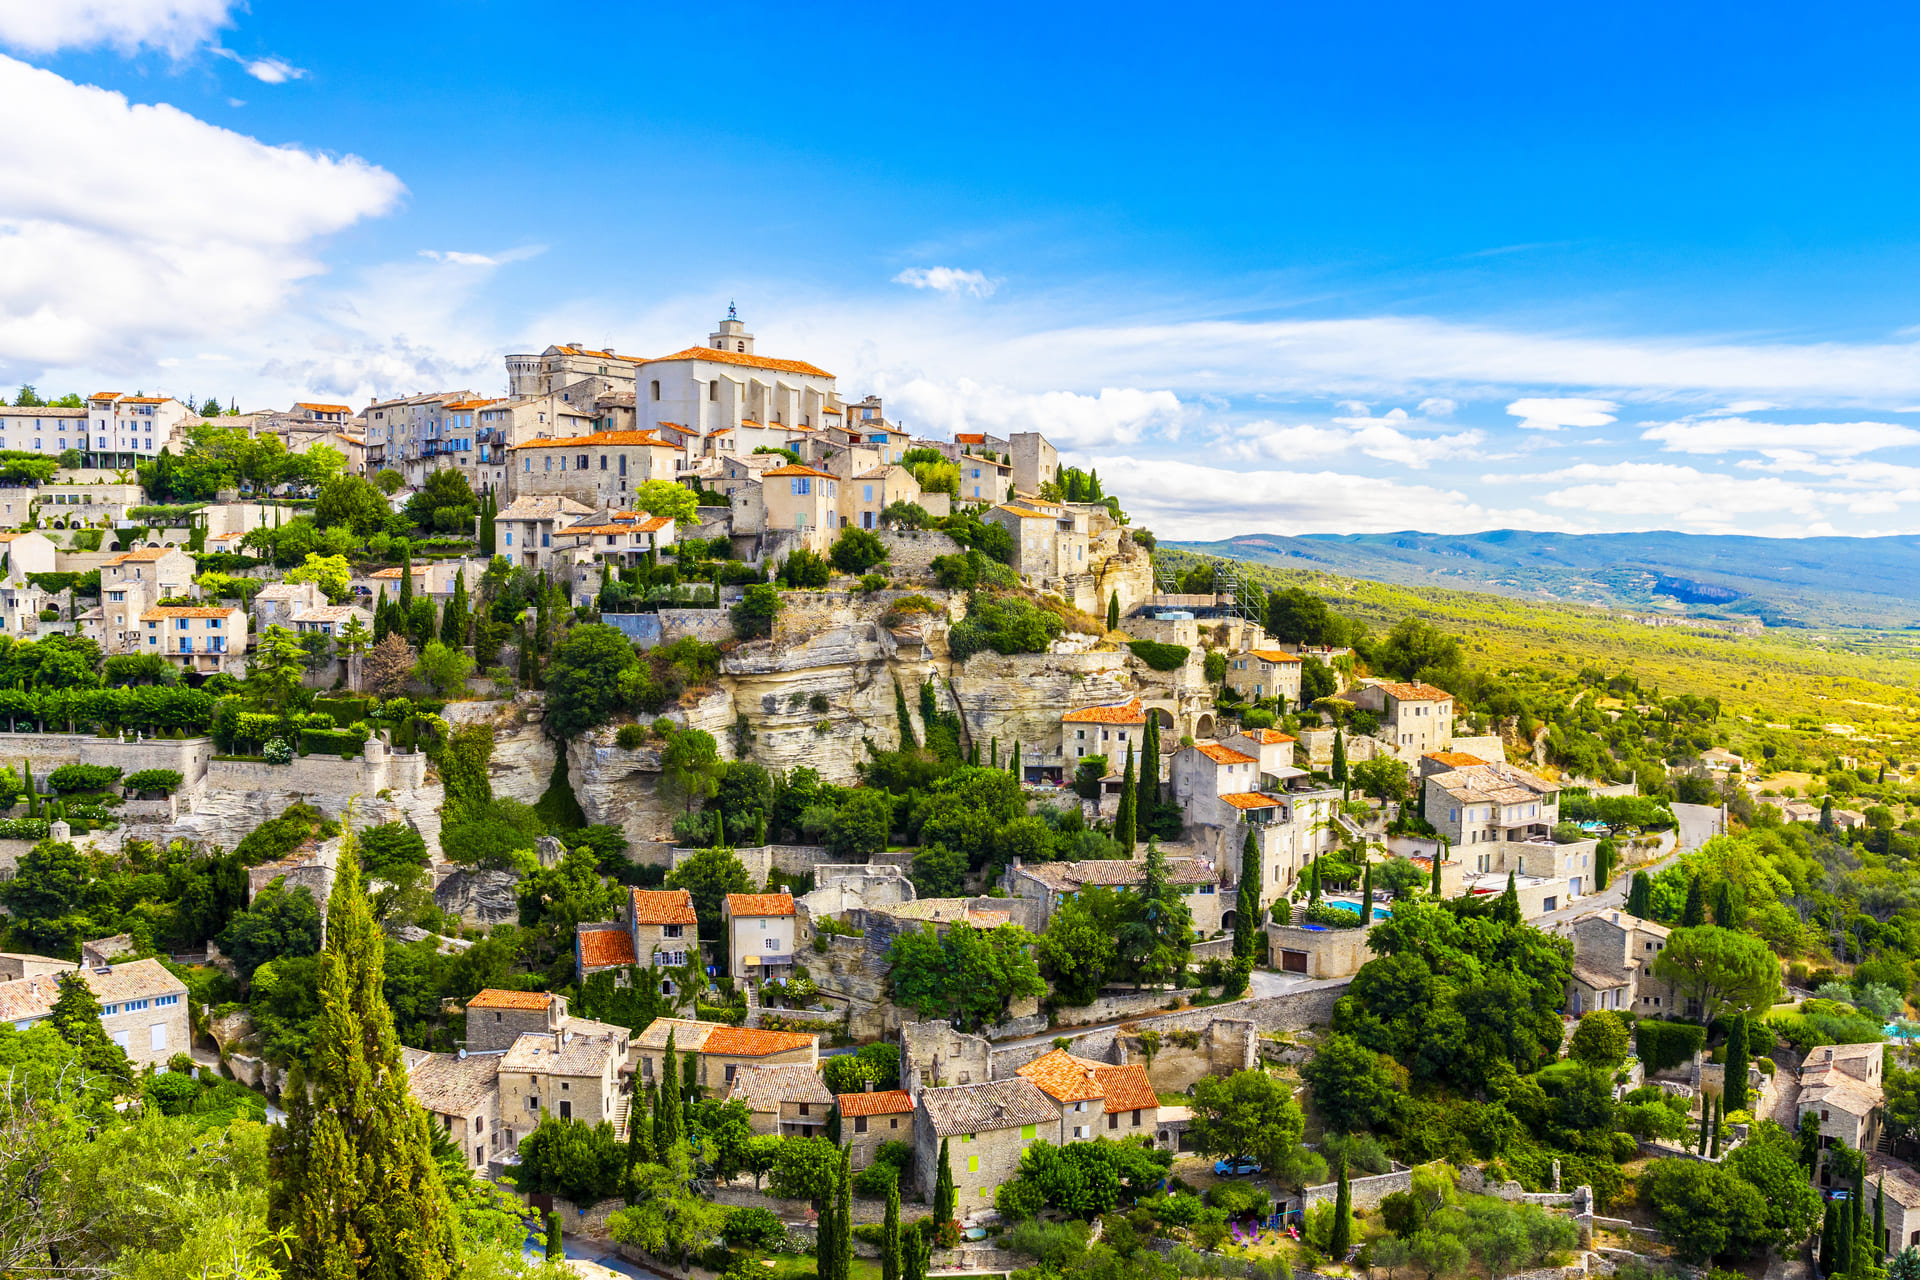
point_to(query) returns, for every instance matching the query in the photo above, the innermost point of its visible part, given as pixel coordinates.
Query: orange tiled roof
(830, 409)
(1127, 713)
(394, 574)
(1458, 759)
(1250, 800)
(1063, 1077)
(1417, 691)
(183, 611)
(142, 556)
(323, 408)
(792, 469)
(751, 1042)
(663, 906)
(1127, 1087)
(1223, 755)
(1273, 655)
(969, 437)
(104, 395)
(1265, 737)
(884, 1102)
(145, 399)
(494, 998)
(760, 904)
(602, 438)
(606, 946)
(742, 358)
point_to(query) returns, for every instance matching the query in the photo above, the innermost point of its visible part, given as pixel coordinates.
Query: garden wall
(791, 859)
(46, 752)
(650, 630)
(1367, 1192)
(910, 552)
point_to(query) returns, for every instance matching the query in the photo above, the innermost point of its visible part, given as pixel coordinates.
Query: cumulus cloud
(459, 259)
(948, 280)
(1553, 413)
(172, 26)
(267, 70)
(90, 273)
(1186, 500)
(1729, 435)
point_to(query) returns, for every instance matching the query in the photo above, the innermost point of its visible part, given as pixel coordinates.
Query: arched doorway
(1203, 727)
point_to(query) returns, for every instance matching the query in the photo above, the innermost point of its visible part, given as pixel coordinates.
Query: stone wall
(45, 752)
(649, 630)
(743, 1196)
(791, 859)
(910, 552)
(1367, 1192)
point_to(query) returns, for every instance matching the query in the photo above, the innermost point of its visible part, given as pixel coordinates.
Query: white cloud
(267, 70)
(1727, 435)
(1437, 407)
(459, 259)
(90, 272)
(1118, 415)
(1185, 500)
(1388, 439)
(948, 280)
(1551, 414)
(171, 26)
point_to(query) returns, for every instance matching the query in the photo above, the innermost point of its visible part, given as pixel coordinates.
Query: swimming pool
(1353, 905)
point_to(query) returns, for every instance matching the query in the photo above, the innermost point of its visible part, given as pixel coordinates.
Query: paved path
(1698, 823)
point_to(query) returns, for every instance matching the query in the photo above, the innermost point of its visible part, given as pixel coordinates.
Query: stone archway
(1203, 727)
(1163, 718)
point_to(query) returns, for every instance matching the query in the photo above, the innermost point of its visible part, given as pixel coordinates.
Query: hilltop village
(756, 834)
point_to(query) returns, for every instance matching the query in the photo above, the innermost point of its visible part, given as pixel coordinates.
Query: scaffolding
(1245, 600)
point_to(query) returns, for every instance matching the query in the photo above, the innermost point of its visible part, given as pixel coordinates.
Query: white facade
(725, 384)
(121, 430)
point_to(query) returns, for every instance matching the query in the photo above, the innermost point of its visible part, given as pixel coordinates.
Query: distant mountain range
(1840, 582)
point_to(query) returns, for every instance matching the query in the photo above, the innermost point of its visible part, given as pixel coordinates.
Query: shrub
(857, 550)
(1161, 657)
(163, 780)
(1004, 624)
(1333, 917)
(631, 737)
(69, 778)
(1661, 1045)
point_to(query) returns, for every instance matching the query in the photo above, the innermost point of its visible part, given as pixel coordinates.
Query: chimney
(869, 1087)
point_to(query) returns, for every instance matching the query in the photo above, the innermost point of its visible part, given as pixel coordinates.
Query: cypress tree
(973, 756)
(690, 1089)
(1340, 762)
(526, 658)
(833, 1124)
(354, 1181)
(453, 621)
(1439, 856)
(823, 1234)
(1113, 612)
(843, 1218)
(1695, 913)
(907, 741)
(1706, 1122)
(556, 1246)
(1856, 1252)
(639, 1129)
(1830, 1240)
(1340, 1239)
(489, 508)
(1640, 896)
(1123, 819)
(666, 1112)
(890, 1236)
(1313, 883)
(914, 1257)
(1736, 1055)
(1603, 864)
(75, 1017)
(1013, 760)
(1149, 774)
(381, 623)
(1507, 910)
(1826, 815)
(1879, 1244)
(993, 756)
(1247, 908)
(946, 1200)
(1366, 894)
(1719, 1113)
(406, 576)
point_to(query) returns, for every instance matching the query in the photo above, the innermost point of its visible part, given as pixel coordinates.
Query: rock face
(480, 897)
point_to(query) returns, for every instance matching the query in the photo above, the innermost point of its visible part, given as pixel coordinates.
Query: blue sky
(1275, 268)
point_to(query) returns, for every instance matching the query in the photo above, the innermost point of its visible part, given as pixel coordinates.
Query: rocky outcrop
(480, 897)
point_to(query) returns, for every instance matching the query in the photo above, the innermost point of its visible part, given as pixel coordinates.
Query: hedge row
(1661, 1045)
(1161, 657)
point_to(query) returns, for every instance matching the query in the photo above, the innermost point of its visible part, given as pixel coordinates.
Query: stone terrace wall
(46, 752)
(1367, 1192)
(791, 859)
(910, 552)
(649, 630)
(1289, 1011)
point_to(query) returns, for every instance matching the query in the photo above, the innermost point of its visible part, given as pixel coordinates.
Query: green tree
(1727, 971)
(665, 498)
(1113, 611)
(857, 550)
(1704, 1211)
(1600, 1041)
(1695, 913)
(1247, 1115)
(1354, 1088)
(1123, 821)
(1157, 938)
(970, 976)
(1736, 1065)
(946, 1200)
(806, 1169)
(1830, 1240)
(1340, 1240)
(1640, 896)
(351, 503)
(709, 876)
(890, 1260)
(355, 1184)
(75, 1018)
(583, 679)
(277, 668)
(1246, 911)
(1077, 951)
(281, 921)
(690, 766)
(1340, 762)
(556, 1246)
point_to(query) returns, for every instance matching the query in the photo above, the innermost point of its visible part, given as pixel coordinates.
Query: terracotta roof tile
(760, 904)
(1458, 759)
(751, 1042)
(1113, 713)
(792, 470)
(1417, 691)
(1249, 800)
(1064, 1077)
(1265, 737)
(494, 998)
(663, 906)
(323, 408)
(883, 1102)
(1223, 755)
(601, 947)
(1273, 655)
(745, 360)
(637, 439)
(1127, 1087)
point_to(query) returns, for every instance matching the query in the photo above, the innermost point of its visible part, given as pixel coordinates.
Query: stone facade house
(789, 1100)
(1840, 1086)
(495, 1019)
(1415, 717)
(759, 932)
(1097, 1099)
(574, 1073)
(198, 638)
(1052, 883)
(1264, 673)
(526, 529)
(599, 469)
(1478, 804)
(1102, 731)
(143, 1007)
(869, 1119)
(721, 1051)
(462, 1092)
(656, 929)
(986, 1127)
(1613, 955)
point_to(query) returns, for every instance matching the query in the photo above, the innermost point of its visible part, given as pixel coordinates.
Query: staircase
(753, 1003)
(621, 1106)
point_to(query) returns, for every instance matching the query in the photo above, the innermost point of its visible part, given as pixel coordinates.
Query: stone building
(495, 1019)
(986, 1128)
(759, 928)
(1263, 674)
(599, 470)
(1052, 883)
(1840, 1087)
(199, 638)
(1096, 1099)
(786, 1099)
(869, 1119)
(573, 1072)
(720, 1051)
(656, 929)
(1415, 717)
(1478, 803)
(1613, 954)
(143, 1007)
(461, 1091)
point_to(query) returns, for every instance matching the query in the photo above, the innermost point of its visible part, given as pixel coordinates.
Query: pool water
(1353, 905)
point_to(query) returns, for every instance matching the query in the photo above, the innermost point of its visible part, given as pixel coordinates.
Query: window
(533, 1102)
(859, 1124)
(802, 485)
(713, 389)
(509, 537)
(1136, 1118)
(803, 1108)
(973, 1164)
(656, 388)
(1113, 1120)
(158, 1031)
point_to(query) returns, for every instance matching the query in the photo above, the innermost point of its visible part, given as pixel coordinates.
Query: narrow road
(1696, 824)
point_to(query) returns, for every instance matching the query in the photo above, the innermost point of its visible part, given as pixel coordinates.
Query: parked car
(1239, 1167)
